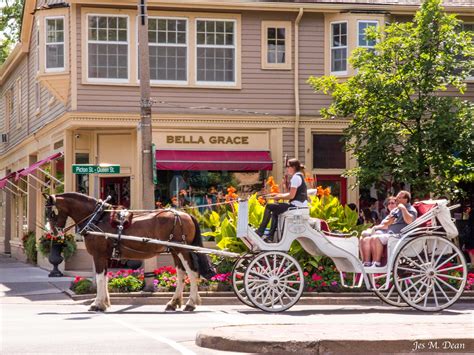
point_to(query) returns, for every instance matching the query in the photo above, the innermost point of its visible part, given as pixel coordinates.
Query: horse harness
(116, 254)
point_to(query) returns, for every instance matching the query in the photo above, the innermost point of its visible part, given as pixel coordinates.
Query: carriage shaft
(167, 244)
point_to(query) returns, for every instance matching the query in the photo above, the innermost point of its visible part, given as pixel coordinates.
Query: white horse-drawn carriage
(424, 268)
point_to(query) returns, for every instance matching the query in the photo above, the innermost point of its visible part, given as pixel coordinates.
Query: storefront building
(231, 100)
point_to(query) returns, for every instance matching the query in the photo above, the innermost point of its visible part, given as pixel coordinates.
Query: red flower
(305, 273)
(316, 277)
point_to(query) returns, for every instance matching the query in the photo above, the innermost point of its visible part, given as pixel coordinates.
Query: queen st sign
(95, 169)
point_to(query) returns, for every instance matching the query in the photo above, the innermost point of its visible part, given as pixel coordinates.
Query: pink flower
(305, 273)
(334, 283)
(316, 277)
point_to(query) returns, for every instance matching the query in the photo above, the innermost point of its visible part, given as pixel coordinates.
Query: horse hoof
(96, 309)
(189, 308)
(170, 308)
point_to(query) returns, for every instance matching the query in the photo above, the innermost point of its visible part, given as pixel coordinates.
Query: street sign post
(95, 169)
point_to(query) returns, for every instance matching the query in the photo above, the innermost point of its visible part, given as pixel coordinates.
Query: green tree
(406, 124)
(10, 25)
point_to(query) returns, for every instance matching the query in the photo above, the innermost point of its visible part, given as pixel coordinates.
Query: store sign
(195, 139)
(95, 169)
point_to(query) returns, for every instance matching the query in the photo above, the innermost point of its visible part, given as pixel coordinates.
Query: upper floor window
(339, 47)
(215, 51)
(9, 107)
(362, 40)
(19, 102)
(167, 39)
(54, 43)
(276, 45)
(107, 46)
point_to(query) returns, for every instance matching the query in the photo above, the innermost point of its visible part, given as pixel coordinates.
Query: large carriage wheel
(390, 295)
(238, 273)
(274, 281)
(430, 273)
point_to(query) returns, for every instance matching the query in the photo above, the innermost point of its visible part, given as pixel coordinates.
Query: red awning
(213, 160)
(33, 167)
(3, 181)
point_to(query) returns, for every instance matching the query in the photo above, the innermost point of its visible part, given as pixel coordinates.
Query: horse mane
(78, 196)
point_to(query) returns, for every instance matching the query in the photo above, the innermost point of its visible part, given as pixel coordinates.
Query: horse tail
(204, 265)
(197, 241)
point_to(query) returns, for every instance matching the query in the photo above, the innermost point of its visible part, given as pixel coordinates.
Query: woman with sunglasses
(367, 244)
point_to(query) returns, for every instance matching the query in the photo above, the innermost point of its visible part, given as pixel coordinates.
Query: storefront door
(116, 187)
(336, 183)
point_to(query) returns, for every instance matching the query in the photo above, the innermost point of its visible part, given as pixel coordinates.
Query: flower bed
(324, 279)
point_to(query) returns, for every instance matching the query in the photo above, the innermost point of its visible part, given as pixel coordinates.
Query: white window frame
(235, 47)
(371, 22)
(287, 25)
(53, 70)
(187, 45)
(87, 41)
(346, 47)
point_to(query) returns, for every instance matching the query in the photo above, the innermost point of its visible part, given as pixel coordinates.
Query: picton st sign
(95, 169)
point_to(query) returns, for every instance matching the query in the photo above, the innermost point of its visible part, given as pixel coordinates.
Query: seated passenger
(376, 237)
(297, 198)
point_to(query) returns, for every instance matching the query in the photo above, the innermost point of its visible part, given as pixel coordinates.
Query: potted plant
(55, 247)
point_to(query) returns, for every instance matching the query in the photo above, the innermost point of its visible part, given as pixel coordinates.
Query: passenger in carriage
(376, 237)
(297, 198)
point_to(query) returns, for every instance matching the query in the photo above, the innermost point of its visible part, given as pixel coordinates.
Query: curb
(228, 298)
(235, 338)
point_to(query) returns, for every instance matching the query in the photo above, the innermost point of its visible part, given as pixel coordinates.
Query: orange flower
(231, 189)
(270, 181)
(320, 191)
(275, 189)
(309, 179)
(327, 191)
(261, 200)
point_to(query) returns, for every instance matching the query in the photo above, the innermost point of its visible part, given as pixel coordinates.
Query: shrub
(81, 286)
(29, 247)
(126, 281)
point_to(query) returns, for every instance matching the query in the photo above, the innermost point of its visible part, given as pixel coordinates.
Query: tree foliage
(409, 121)
(10, 24)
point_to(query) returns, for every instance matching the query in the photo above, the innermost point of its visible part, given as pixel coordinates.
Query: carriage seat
(319, 224)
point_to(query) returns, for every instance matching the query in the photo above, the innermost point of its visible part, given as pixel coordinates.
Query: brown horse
(167, 225)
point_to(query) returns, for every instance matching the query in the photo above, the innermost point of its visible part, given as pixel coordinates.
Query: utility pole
(144, 128)
(148, 189)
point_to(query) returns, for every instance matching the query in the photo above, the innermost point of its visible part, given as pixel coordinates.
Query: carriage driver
(297, 198)
(374, 240)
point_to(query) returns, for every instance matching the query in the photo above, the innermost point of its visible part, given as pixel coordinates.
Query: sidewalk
(30, 282)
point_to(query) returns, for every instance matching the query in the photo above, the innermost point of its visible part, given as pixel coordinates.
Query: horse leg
(177, 300)
(194, 298)
(102, 299)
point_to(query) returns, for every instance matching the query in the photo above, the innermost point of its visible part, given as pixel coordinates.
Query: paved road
(38, 318)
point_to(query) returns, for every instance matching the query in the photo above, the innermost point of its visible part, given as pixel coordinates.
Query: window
(339, 47)
(328, 152)
(19, 99)
(107, 47)
(362, 41)
(167, 39)
(8, 108)
(215, 51)
(276, 45)
(54, 41)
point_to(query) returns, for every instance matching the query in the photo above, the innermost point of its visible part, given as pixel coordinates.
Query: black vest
(301, 192)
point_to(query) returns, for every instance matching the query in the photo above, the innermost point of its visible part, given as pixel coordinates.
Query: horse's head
(56, 215)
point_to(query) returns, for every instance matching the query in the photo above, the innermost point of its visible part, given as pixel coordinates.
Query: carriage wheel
(430, 273)
(390, 295)
(274, 281)
(238, 273)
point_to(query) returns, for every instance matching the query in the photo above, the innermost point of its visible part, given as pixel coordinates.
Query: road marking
(159, 338)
